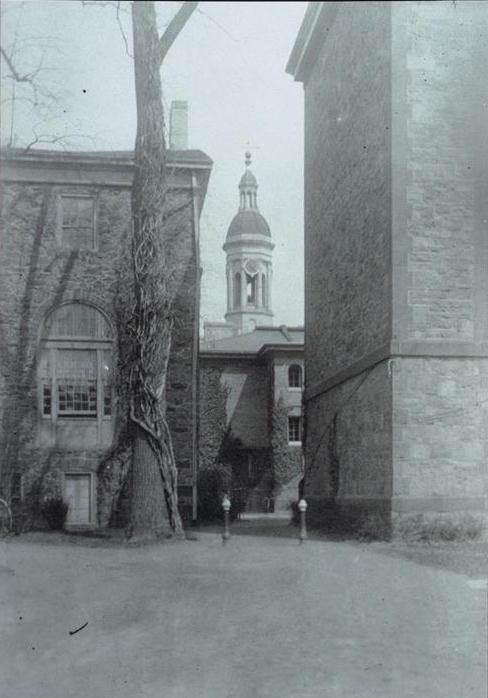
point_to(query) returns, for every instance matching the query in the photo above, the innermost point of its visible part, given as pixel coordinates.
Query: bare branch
(174, 28)
(118, 10)
(123, 32)
(15, 75)
(47, 139)
(217, 24)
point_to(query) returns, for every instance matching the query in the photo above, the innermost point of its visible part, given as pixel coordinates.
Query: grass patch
(441, 529)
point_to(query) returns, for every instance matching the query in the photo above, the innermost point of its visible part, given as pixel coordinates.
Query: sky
(228, 64)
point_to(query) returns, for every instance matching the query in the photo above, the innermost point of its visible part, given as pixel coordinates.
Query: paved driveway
(259, 618)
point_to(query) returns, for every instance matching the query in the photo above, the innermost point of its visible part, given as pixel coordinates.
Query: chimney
(178, 125)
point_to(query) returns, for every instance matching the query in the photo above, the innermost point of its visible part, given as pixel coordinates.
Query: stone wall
(396, 255)
(440, 434)
(38, 274)
(440, 256)
(348, 458)
(347, 192)
(440, 178)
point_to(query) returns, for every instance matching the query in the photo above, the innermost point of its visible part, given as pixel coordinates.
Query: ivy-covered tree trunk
(154, 502)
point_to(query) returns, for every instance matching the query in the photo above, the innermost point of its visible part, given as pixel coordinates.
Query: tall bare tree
(154, 505)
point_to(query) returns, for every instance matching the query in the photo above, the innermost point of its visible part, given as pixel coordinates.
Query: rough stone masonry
(49, 439)
(396, 268)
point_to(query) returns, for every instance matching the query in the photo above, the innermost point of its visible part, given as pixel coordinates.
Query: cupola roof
(248, 220)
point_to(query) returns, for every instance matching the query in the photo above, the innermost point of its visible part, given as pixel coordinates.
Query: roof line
(310, 37)
(174, 158)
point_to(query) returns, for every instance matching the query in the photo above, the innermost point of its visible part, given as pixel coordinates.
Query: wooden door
(78, 496)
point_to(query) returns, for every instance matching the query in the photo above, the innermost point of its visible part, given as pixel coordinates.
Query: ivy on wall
(286, 461)
(212, 417)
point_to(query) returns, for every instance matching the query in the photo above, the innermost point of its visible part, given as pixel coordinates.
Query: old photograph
(243, 349)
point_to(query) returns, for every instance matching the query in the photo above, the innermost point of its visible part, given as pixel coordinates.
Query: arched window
(295, 376)
(263, 292)
(75, 366)
(237, 291)
(249, 198)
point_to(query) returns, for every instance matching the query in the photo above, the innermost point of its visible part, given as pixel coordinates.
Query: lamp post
(302, 506)
(226, 508)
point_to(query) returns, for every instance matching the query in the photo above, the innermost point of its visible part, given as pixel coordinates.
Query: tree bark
(149, 516)
(154, 503)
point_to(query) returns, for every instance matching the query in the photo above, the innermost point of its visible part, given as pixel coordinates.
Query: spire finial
(247, 158)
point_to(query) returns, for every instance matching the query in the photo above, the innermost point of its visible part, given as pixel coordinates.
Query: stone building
(256, 370)
(396, 240)
(65, 219)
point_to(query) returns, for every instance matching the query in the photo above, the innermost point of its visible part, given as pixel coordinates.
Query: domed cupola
(248, 246)
(248, 220)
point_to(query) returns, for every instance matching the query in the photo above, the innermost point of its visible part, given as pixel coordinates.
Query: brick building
(396, 268)
(65, 272)
(259, 368)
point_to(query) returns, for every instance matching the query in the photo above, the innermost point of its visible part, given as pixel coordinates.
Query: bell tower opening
(237, 291)
(251, 289)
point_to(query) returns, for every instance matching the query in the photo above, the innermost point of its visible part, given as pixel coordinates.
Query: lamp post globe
(226, 504)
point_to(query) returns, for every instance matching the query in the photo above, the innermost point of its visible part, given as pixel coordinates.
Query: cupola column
(229, 289)
(243, 288)
(259, 291)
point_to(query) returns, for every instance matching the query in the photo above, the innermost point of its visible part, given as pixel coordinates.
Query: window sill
(294, 443)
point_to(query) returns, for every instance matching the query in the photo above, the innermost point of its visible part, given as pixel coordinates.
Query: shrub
(373, 527)
(55, 511)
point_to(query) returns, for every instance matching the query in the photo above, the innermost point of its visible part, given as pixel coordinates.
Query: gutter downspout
(196, 346)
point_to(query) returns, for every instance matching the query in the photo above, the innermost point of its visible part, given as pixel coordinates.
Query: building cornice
(313, 30)
(105, 168)
(261, 353)
(248, 240)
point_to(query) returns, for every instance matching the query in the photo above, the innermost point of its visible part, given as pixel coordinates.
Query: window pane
(78, 222)
(107, 382)
(78, 238)
(77, 211)
(295, 377)
(294, 429)
(44, 365)
(76, 363)
(107, 400)
(76, 374)
(77, 399)
(46, 399)
(77, 320)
